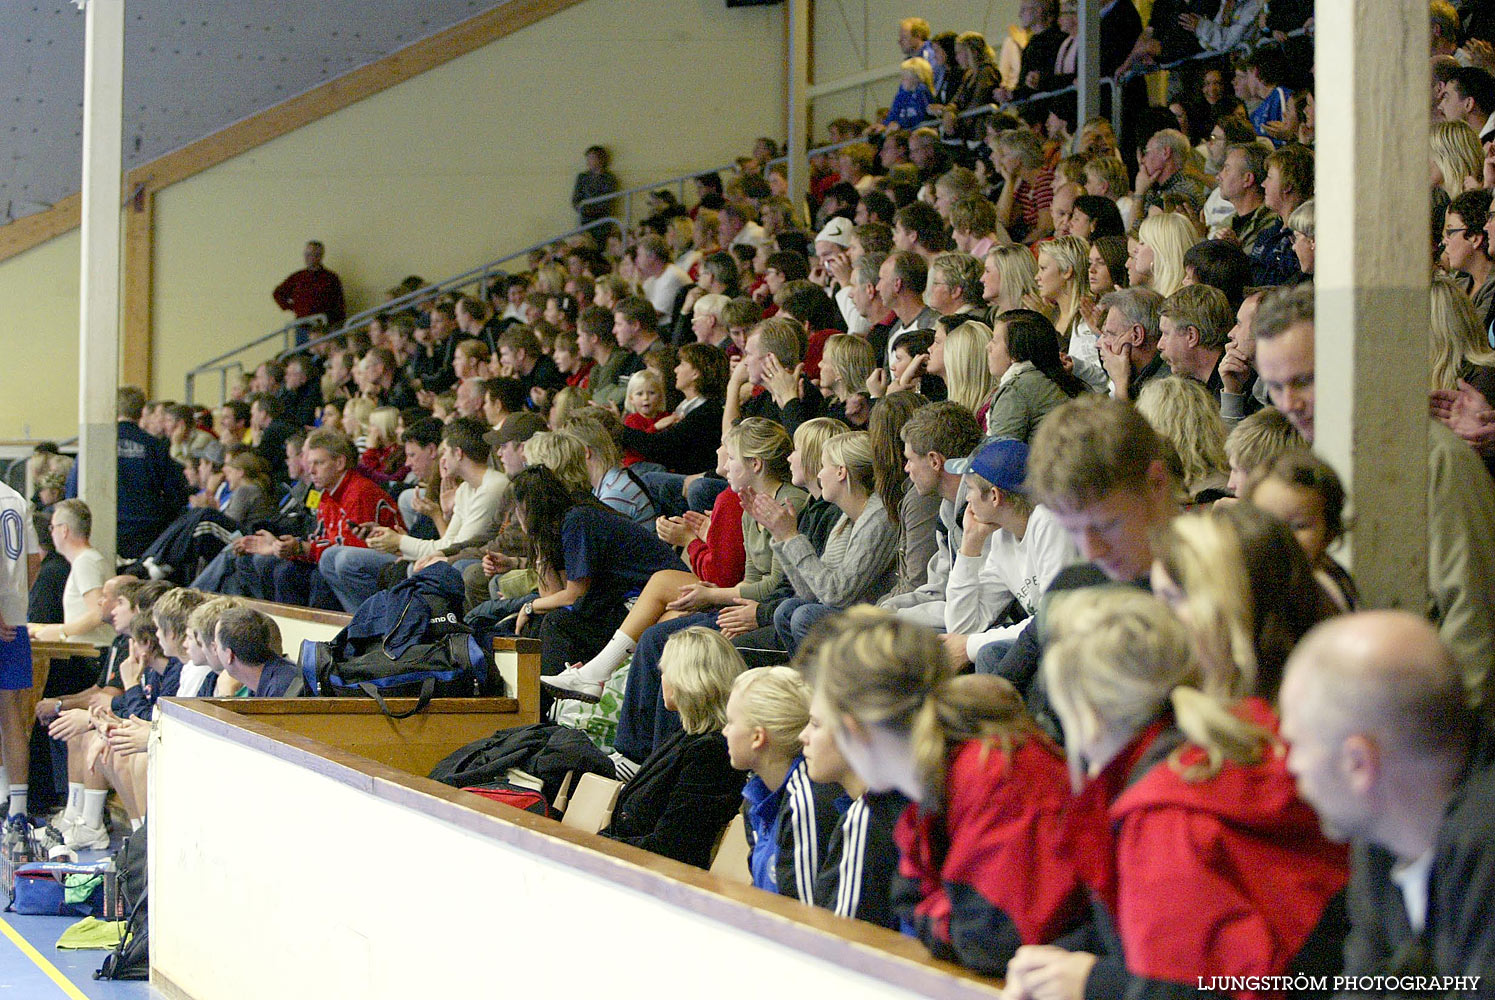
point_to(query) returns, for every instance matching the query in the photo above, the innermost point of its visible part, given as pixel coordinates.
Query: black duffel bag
(455, 666)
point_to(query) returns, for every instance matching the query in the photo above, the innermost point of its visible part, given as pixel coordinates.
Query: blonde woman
(1458, 349)
(788, 818)
(844, 369)
(1009, 279)
(686, 793)
(859, 563)
(1455, 160)
(987, 788)
(757, 466)
(1155, 256)
(562, 454)
(1064, 283)
(1105, 176)
(1193, 838)
(967, 375)
(1301, 224)
(1186, 415)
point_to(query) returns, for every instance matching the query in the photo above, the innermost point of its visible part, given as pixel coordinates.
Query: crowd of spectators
(970, 506)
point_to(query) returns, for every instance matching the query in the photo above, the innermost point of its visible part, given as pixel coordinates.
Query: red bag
(513, 795)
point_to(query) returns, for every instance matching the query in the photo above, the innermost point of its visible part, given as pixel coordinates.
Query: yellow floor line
(63, 982)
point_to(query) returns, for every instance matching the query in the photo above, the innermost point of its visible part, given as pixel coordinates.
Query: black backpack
(131, 958)
(456, 666)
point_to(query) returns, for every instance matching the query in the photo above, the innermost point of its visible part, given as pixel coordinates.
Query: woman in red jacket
(980, 841)
(1206, 869)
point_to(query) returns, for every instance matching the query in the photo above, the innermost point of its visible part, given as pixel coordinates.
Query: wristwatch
(528, 609)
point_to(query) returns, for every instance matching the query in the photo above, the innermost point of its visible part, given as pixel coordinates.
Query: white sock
(136, 824)
(17, 800)
(74, 801)
(93, 806)
(601, 666)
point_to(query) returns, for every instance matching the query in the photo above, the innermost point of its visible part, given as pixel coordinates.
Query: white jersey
(17, 543)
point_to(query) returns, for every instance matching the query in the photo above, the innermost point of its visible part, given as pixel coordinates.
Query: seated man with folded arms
(247, 645)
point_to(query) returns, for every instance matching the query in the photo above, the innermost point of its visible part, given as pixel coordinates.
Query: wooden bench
(357, 724)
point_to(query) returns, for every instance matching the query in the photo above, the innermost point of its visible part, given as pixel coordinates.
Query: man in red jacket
(344, 499)
(312, 290)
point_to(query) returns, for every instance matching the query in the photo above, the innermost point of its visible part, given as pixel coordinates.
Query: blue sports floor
(32, 968)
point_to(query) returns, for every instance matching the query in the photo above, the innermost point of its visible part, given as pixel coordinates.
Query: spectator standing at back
(311, 290)
(593, 182)
(20, 558)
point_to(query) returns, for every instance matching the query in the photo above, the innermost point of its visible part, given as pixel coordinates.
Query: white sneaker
(62, 822)
(569, 684)
(82, 837)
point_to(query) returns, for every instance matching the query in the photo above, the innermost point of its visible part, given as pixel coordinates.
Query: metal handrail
(285, 332)
(223, 365)
(477, 275)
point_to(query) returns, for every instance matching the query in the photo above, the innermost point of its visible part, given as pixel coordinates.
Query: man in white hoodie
(1010, 550)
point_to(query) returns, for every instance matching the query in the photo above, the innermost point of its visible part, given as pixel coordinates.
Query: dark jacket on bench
(681, 799)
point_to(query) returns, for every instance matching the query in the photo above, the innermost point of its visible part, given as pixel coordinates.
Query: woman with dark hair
(1032, 381)
(684, 441)
(947, 72)
(589, 558)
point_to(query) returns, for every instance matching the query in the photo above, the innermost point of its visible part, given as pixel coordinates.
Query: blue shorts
(15, 662)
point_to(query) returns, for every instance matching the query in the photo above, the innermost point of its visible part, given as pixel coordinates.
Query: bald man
(1385, 747)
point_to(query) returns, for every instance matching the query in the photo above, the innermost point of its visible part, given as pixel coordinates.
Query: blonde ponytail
(1223, 736)
(776, 700)
(1118, 659)
(883, 671)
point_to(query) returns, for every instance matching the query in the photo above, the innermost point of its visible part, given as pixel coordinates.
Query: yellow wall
(39, 341)
(456, 167)
(851, 37)
(465, 163)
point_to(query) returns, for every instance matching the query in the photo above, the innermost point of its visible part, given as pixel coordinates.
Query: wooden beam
(33, 230)
(303, 109)
(139, 283)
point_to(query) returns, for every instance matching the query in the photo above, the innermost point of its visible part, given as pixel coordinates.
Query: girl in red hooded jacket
(1207, 872)
(980, 868)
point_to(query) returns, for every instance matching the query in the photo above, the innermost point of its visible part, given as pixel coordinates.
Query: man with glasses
(1466, 246)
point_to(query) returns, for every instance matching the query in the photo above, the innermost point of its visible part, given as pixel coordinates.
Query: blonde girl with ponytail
(1187, 825)
(788, 818)
(980, 840)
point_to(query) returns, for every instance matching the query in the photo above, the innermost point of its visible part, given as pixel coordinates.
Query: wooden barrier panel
(354, 878)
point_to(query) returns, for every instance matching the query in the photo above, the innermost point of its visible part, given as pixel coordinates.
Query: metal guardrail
(477, 276)
(216, 364)
(229, 362)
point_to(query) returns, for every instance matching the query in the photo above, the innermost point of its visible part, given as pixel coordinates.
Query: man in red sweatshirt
(344, 498)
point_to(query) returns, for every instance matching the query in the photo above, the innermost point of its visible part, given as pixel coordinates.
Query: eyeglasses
(1454, 232)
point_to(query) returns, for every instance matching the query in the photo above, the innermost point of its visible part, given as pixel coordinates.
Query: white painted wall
(283, 882)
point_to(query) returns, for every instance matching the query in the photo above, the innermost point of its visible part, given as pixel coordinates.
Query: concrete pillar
(797, 103)
(1087, 83)
(99, 290)
(1371, 283)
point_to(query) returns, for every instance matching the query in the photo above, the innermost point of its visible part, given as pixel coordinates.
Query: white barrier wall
(276, 871)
